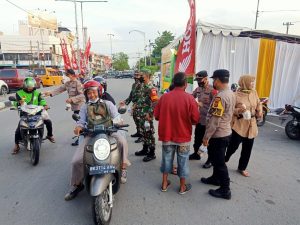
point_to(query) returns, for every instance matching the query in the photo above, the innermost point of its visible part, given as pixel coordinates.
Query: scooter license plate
(103, 169)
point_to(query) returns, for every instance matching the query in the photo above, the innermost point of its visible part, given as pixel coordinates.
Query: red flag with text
(65, 54)
(87, 50)
(74, 59)
(185, 61)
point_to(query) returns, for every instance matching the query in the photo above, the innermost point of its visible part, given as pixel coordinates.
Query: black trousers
(217, 148)
(48, 124)
(247, 145)
(76, 111)
(199, 134)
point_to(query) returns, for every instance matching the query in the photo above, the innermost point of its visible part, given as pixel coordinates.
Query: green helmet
(29, 82)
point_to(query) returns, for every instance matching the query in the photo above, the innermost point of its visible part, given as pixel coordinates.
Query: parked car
(3, 88)
(124, 75)
(49, 76)
(15, 77)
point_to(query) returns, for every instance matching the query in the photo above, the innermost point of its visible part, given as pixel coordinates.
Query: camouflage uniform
(146, 102)
(135, 94)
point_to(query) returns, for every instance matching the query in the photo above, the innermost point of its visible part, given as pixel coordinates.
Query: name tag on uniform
(217, 108)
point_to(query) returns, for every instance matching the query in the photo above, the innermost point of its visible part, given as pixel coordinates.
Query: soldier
(134, 95)
(204, 94)
(146, 102)
(75, 91)
(218, 132)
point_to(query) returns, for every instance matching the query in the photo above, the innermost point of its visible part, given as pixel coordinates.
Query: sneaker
(124, 176)
(76, 143)
(74, 192)
(194, 156)
(220, 193)
(207, 165)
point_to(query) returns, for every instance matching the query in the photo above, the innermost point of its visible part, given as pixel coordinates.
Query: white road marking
(275, 125)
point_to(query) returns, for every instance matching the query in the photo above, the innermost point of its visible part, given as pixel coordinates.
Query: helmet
(102, 81)
(92, 84)
(234, 87)
(29, 82)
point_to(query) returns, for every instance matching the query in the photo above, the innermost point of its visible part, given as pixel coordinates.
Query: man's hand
(77, 130)
(200, 104)
(46, 107)
(69, 100)
(122, 103)
(205, 141)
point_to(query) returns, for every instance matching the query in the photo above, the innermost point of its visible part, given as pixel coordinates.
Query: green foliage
(160, 42)
(120, 61)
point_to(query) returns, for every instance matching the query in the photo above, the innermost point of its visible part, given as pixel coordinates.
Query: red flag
(87, 50)
(185, 61)
(82, 63)
(65, 54)
(74, 59)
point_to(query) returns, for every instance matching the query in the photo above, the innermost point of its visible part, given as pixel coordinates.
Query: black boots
(136, 135)
(139, 140)
(151, 155)
(220, 193)
(194, 156)
(143, 152)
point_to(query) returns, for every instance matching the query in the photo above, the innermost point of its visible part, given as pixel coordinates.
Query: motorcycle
(32, 129)
(102, 162)
(265, 108)
(292, 128)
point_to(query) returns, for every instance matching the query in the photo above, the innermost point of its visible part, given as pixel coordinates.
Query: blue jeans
(168, 153)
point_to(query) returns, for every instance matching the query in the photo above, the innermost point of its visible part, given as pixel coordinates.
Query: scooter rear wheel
(292, 131)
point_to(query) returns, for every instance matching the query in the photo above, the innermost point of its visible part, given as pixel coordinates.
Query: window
(23, 73)
(37, 72)
(7, 73)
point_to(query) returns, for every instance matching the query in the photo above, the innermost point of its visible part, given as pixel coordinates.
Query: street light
(144, 35)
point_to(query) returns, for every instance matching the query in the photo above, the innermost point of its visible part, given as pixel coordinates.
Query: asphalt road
(35, 195)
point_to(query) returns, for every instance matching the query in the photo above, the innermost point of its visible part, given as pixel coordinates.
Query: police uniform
(203, 94)
(75, 92)
(218, 132)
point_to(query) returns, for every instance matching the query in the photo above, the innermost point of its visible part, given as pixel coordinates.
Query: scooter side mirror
(122, 109)
(12, 98)
(76, 117)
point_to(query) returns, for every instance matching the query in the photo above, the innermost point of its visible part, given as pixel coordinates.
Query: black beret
(70, 71)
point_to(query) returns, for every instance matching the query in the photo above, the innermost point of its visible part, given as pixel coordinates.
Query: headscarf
(245, 83)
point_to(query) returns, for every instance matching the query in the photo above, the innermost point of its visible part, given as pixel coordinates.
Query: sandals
(51, 139)
(188, 187)
(244, 173)
(15, 150)
(166, 189)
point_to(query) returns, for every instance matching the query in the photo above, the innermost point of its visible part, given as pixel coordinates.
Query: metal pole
(287, 24)
(77, 38)
(111, 54)
(38, 46)
(145, 50)
(257, 12)
(83, 36)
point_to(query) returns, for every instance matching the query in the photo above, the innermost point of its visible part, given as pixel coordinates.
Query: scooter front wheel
(35, 145)
(102, 211)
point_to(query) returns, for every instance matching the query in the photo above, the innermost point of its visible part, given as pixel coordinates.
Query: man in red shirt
(176, 112)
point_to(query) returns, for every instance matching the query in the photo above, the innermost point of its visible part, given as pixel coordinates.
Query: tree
(120, 61)
(160, 42)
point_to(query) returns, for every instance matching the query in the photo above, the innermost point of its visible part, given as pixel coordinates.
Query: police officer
(75, 92)
(133, 97)
(204, 94)
(147, 101)
(218, 132)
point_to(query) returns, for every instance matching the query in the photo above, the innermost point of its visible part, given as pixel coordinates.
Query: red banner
(87, 51)
(74, 59)
(65, 54)
(82, 63)
(185, 61)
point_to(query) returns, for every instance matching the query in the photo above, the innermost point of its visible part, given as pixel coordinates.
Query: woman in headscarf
(244, 127)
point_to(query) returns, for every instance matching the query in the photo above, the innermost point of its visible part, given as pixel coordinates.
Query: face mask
(201, 84)
(142, 79)
(94, 101)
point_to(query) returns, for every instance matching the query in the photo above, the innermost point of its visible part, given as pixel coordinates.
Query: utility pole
(257, 14)
(111, 54)
(32, 59)
(287, 24)
(38, 46)
(150, 45)
(139, 57)
(77, 37)
(145, 46)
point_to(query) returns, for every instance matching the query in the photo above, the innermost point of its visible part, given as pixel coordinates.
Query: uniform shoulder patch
(217, 108)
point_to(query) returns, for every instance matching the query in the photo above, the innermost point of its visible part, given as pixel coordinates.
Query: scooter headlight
(101, 149)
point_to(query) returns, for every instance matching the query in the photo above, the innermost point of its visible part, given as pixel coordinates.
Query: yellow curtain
(265, 67)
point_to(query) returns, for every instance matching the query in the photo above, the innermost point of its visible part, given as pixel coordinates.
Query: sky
(151, 16)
